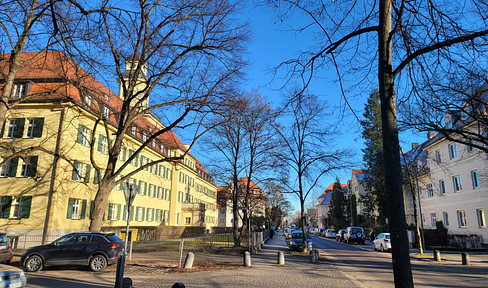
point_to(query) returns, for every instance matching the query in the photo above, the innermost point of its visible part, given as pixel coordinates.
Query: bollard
(437, 255)
(314, 256)
(465, 258)
(281, 258)
(247, 259)
(127, 282)
(189, 260)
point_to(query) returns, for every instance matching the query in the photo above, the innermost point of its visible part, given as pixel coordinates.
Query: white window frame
(187, 220)
(24, 168)
(106, 112)
(31, 124)
(452, 151)
(16, 207)
(433, 220)
(3, 169)
(475, 181)
(133, 161)
(12, 125)
(442, 187)
(445, 218)
(469, 147)
(430, 191)
(85, 132)
(480, 215)
(104, 145)
(457, 183)
(76, 209)
(438, 158)
(139, 214)
(113, 215)
(81, 172)
(178, 220)
(88, 100)
(19, 90)
(461, 215)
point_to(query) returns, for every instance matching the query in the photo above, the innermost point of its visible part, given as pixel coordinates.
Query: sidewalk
(265, 272)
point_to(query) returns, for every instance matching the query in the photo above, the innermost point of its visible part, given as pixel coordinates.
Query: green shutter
(87, 175)
(152, 215)
(12, 167)
(92, 207)
(110, 209)
(38, 125)
(32, 168)
(100, 142)
(132, 212)
(118, 211)
(95, 176)
(79, 138)
(143, 213)
(137, 159)
(76, 167)
(124, 214)
(145, 188)
(26, 206)
(124, 154)
(83, 209)
(5, 209)
(19, 129)
(71, 201)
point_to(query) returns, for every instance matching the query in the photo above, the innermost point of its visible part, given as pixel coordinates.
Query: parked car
(354, 234)
(97, 250)
(12, 277)
(330, 233)
(340, 235)
(382, 242)
(5, 249)
(296, 241)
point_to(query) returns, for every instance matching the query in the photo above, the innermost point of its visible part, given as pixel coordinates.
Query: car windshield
(296, 236)
(66, 240)
(113, 238)
(3, 238)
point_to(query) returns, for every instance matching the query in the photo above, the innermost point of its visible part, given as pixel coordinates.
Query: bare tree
(277, 206)
(401, 42)
(308, 151)
(184, 54)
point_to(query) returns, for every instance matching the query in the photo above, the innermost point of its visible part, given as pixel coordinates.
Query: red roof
(357, 171)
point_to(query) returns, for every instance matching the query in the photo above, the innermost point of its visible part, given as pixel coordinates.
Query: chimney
(430, 135)
(415, 145)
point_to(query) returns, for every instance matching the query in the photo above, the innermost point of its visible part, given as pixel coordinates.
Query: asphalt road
(374, 269)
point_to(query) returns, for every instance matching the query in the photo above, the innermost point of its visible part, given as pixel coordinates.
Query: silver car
(382, 242)
(11, 277)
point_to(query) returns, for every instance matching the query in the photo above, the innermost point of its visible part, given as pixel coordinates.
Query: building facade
(48, 187)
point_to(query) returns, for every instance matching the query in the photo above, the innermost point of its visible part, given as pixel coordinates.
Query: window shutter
(32, 168)
(76, 167)
(110, 209)
(70, 208)
(26, 206)
(132, 212)
(100, 142)
(19, 129)
(12, 167)
(92, 207)
(79, 138)
(83, 209)
(143, 213)
(118, 211)
(152, 215)
(137, 159)
(95, 176)
(87, 175)
(145, 188)
(124, 154)
(5, 209)
(3, 128)
(39, 123)
(124, 214)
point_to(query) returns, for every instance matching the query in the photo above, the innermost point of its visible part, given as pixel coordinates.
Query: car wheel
(98, 263)
(33, 264)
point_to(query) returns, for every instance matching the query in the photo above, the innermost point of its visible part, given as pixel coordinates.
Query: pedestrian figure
(271, 233)
(371, 235)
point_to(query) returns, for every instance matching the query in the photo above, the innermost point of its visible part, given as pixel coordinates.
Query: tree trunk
(391, 150)
(100, 202)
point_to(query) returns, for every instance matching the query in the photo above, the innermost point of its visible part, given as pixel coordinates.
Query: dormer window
(144, 136)
(106, 112)
(133, 130)
(105, 96)
(88, 100)
(19, 90)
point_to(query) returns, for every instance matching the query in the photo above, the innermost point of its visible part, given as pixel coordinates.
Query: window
(20, 207)
(88, 100)
(83, 135)
(433, 220)
(138, 213)
(456, 182)
(470, 147)
(438, 156)
(480, 214)
(34, 128)
(144, 136)
(15, 128)
(445, 219)
(105, 96)
(452, 151)
(430, 191)
(442, 187)
(102, 144)
(81, 172)
(112, 211)
(461, 214)
(133, 162)
(150, 192)
(19, 91)
(187, 220)
(28, 167)
(178, 218)
(149, 214)
(76, 208)
(474, 179)
(106, 112)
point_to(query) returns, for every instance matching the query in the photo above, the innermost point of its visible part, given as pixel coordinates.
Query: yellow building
(47, 180)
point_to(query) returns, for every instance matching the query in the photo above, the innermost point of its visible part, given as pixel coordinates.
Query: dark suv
(354, 234)
(97, 250)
